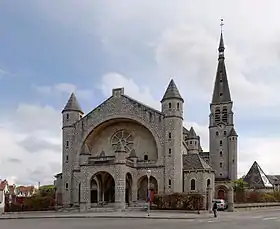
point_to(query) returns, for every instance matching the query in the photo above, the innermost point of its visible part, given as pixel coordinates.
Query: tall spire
(221, 93)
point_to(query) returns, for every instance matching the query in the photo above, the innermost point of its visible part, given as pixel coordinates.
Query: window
(67, 117)
(208, 182)
(67, 144)
(233, 161)
(217, 115)
(178, 106)
(193, 184)
(150, 116)
(66, 158)
(221, 153)
(169, 105)
(224, 115)
(217, 133)
(221, 94)
(66, 185)
(81, 116)
(221, 165)
(225, 133)
(221, 80)
(169, 135)
(169, 183)
(221, 143)
(221, 174)
(146, 157)
(186, 138)
(191, 142)
(169, 152)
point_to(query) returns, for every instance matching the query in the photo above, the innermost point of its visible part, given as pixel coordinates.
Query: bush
(180, 201)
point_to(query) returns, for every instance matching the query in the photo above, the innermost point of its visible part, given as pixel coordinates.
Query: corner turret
(172, 108)
(192, 141)
(72, 111)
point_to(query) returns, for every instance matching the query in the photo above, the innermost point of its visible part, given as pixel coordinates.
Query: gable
(119, 108)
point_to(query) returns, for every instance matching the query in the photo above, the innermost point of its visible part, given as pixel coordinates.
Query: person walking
(215, 208)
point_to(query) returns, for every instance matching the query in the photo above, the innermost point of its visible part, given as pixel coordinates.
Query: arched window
(193, 184)
(224, 115)
(169, 105)
(178, 106)
(146, 157)
(217, 115)
(221, 142)
(208, 182)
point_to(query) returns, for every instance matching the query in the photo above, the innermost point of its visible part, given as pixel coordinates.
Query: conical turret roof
(233, 132)
(192, 134)
(172, 92)
(72, 104)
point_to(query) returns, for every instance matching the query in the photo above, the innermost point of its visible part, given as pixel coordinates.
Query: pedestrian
(215, 208)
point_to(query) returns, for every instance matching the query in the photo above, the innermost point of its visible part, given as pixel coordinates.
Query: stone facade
(108, 152)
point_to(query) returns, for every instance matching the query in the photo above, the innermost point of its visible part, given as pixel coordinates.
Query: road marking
(270, 218)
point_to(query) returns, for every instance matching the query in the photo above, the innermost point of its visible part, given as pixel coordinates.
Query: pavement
(257, 219)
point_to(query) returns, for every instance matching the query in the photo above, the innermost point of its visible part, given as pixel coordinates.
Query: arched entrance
(221, 192)
(142, 191)
(128, 188)
(102, 188)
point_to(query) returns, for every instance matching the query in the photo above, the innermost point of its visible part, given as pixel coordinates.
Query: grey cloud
(33, 145)
(14, 160)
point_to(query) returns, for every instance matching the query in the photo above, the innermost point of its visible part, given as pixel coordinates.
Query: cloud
(63, 88)
(33, 144)
(30, 138)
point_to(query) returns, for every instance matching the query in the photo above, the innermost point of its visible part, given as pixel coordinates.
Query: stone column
(210, 198)
(230, 200)
(120, 179)
(134, 193)
(85, 191)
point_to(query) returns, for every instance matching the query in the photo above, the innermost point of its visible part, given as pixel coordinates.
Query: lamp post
(149, 194)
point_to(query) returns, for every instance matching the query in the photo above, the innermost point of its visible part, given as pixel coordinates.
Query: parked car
(222, 205)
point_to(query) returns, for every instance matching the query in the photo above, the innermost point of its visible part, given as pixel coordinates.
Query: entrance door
(221, 194)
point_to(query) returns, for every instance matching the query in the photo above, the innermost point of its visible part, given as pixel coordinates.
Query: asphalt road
(248, 220)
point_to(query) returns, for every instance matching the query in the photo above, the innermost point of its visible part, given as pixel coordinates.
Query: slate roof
(192, 134)
(233, 132)
(172, 92)
(256, 178)
(221, 92)
(72, 104)
(194, 162)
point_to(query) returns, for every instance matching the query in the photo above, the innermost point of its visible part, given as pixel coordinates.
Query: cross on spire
(222, 24)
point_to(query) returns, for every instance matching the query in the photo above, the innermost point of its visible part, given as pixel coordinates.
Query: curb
(101, 217)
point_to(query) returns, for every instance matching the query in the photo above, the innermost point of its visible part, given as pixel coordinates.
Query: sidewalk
(107, 215)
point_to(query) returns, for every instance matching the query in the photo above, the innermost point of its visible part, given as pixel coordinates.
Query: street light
(149, 194)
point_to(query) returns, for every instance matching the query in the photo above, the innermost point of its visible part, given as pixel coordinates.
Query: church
(112, 154)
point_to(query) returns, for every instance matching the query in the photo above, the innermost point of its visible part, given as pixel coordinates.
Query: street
(258, 219)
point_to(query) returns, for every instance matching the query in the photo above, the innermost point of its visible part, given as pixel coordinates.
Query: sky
(49, 49)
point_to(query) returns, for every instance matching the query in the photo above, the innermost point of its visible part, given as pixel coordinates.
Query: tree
(239, 187)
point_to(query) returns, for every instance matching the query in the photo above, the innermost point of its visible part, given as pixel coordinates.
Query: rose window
(122, 140)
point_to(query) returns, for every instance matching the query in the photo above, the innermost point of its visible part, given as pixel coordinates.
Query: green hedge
(179, 201)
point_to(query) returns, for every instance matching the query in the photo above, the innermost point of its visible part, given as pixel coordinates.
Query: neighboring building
(258, 180)
(107, 153)
(3, 191)
(24, 191)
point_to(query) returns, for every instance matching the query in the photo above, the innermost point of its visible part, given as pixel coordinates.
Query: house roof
(256, 178)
